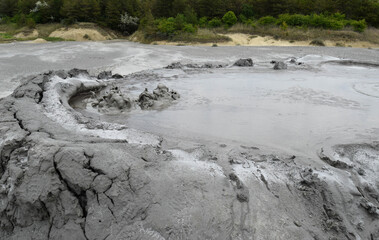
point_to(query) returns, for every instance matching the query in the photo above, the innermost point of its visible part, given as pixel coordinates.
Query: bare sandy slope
(27, 34)
(253, 40)
(80, 34)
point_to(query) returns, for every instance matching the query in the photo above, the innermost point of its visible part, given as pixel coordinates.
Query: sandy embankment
(241, 39)
(27, 34)
(80, 34)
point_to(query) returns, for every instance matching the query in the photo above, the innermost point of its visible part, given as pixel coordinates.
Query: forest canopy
(125, 15)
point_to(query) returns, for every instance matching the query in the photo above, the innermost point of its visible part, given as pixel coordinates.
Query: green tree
(7, 7)
(81, 10)
(247, 11)
(24, 6)
(229, 18)
(162, 8)
(178, 6)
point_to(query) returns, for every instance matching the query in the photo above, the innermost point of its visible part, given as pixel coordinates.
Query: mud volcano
(252, 150)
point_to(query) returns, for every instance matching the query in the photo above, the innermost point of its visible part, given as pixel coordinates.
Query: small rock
(361, 171)
(175, 65)
(244, 62)
(297, 223)
(233, 177)
(76, 72)
(242, 197)
(61, 73)
(104, 75)
(280, 66)
(117, 76)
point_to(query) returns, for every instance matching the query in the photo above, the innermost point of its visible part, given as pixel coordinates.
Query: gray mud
(70, 171)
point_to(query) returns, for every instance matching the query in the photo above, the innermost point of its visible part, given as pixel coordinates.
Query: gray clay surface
(153, 165)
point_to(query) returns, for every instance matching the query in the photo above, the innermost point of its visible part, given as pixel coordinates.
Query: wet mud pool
(300, 109)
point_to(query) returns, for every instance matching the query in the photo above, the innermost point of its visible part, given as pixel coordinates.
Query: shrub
(294, 20)
(215, 22)
(191, 16)
(317, 42)
(338, 16)
(359, 26)
(30, 23)
(128, 24)
(180, 21)
(166, 26)
(229, 18)
(251, 23)
(268, 20)
(333, 24)
(203, 21)
(284, 26)
(189, 28)
(242, 18)
(247, 10)
(68, 21)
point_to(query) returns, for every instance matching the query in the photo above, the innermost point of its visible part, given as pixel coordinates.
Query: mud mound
(64, 175)
(160, 96)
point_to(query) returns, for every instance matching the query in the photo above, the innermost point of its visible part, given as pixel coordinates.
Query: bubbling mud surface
(246, 152)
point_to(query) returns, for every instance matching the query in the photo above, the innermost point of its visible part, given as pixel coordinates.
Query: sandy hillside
(27, 34)
(241, 39)
(80, 34)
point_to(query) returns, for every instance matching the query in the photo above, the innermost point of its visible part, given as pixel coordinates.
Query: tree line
(124, 15)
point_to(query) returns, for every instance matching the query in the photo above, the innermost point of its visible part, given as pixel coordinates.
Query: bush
(215, 22)
(30, 23)
(268, 20)
(68, 21)
(229, 18)
(338, 16)
(242, 18)
(247, 10)
(203, 22)
(191, 16)
(284, 26)
(180, 21)
(128, 23)
(317, 42)
(189, 28)
(294, 20)
(251, 23)
(359, 26)
(166, 26)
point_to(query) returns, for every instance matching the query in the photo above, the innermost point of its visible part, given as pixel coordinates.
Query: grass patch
(304, 33)
(54, 39)
(5, 36)
(201, 36)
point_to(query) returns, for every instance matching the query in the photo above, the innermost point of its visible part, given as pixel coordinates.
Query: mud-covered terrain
(113, 156)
